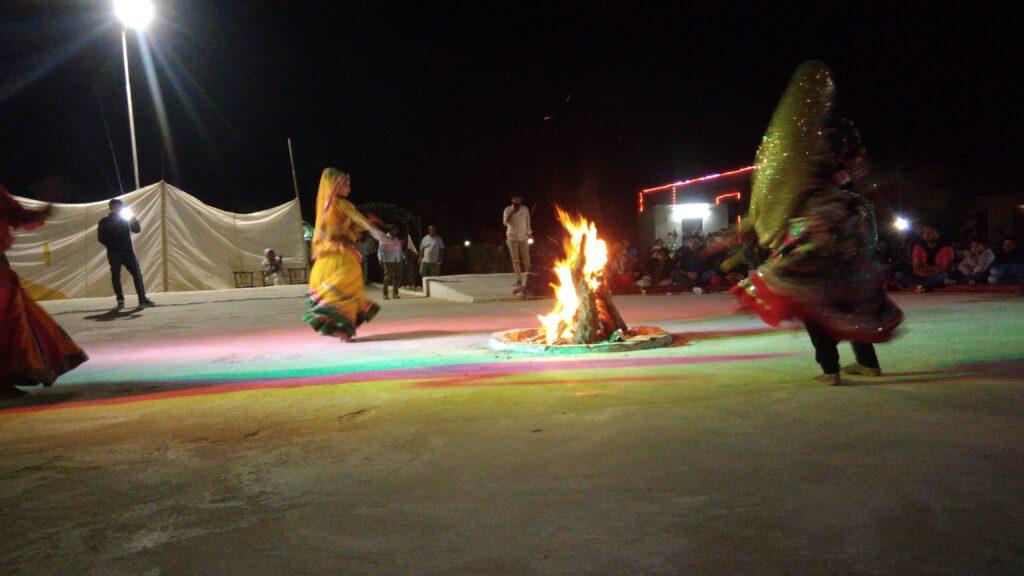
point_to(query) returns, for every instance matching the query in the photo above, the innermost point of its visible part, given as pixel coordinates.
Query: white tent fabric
(184, 245)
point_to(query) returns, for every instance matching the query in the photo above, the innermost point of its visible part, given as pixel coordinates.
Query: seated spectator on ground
(631, 252)
(657, 271)
(973, 269)
(687, 272)
(659, 244)
(620, 269)
(712, 258)
(1008, 266)
(931, 261)
(272, 268)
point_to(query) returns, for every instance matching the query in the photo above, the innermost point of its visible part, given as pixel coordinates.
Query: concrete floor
(216, 434)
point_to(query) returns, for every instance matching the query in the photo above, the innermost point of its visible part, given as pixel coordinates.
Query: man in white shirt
(273, 268)
(431, 253)
(516, 219)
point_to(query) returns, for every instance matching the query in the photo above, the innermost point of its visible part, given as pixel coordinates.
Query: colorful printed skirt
(336, 300)
(33, 348)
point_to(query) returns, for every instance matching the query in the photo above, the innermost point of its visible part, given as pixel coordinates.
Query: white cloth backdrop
(204, 245)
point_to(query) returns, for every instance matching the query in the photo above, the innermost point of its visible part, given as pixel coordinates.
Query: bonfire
(583, 312)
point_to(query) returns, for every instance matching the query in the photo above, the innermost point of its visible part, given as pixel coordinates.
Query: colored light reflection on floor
(435, 376)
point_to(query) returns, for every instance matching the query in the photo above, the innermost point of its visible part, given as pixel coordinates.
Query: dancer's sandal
(861, 370)
(830, 379)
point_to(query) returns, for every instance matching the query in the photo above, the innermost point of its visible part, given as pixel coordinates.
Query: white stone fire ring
(637, 338)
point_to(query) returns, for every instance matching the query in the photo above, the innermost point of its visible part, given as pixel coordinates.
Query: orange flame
(559, 324)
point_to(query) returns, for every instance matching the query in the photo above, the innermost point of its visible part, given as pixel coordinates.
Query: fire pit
(531, 340)
(584, 318)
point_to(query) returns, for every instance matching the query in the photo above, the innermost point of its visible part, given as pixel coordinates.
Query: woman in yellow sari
(337, 305)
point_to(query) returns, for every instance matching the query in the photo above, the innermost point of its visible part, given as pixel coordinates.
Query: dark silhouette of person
(115, 232)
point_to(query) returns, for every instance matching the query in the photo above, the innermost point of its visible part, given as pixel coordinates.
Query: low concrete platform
(471, 287)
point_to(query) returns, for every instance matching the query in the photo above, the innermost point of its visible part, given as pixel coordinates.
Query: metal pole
(163, 233)
(131, 113)
(295, 179)
(298, 201)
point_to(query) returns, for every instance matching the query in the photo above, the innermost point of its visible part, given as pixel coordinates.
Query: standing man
(516, 219)
(431, 253)
(391, 256)
(366, 248)
(115, 232)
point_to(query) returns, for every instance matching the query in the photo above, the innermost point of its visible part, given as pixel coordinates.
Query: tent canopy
(184, 245)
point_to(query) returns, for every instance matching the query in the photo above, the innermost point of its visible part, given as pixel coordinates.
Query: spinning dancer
(33, 348)
(337, 305)
(823, 238)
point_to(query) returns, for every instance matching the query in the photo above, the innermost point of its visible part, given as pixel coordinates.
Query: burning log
(597, 318)
(583, 312)
(588, 319)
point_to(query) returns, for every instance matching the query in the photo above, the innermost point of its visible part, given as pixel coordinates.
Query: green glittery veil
(787, 159)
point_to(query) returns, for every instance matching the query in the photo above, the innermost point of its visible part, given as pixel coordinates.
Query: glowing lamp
(901, 224)
(134, 13)
(466, 243)
(529, 241)
(126, 213)
(696, 211)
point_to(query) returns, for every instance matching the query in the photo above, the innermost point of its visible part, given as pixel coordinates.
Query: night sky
(449, 109)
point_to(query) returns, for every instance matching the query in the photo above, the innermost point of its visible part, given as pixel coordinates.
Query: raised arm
(350, 210)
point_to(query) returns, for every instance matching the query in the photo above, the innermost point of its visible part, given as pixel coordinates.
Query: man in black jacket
(115, 232)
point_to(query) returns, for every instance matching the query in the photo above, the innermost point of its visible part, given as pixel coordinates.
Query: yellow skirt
(336, 300)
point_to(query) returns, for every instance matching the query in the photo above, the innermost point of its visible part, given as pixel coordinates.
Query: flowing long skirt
(33, 348)
(336, 300)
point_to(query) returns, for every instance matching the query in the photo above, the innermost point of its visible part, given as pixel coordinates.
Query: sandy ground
(216, 434)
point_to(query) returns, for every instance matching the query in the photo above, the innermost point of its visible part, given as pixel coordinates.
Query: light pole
(133, 14)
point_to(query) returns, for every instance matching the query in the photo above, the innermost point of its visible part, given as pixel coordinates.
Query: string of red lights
(676, 185)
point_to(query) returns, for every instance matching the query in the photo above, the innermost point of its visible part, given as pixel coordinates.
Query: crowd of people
(694, 264)
(927, 261)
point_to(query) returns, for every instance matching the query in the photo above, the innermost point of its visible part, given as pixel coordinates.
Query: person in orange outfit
(33, 348)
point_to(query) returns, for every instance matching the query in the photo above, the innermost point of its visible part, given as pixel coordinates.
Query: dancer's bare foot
(345, 337)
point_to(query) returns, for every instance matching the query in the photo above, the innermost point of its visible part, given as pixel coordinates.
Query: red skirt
(875, 322)
(33, 348)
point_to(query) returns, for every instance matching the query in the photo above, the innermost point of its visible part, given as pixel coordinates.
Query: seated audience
(657, 271)
(973, 269)
(931, 261)
(620, 268)
(659, 244)
(688, 268)
(1008, 266)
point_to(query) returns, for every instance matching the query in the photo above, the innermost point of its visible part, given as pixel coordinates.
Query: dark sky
(441, 108)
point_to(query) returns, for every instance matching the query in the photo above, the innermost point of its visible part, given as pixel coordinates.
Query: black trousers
(393, 276)
(826, 351)
(130, 262)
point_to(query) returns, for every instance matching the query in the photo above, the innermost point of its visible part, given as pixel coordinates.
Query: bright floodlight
(696, 211)
(466, 243)
(134, 13)
(901, 223)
